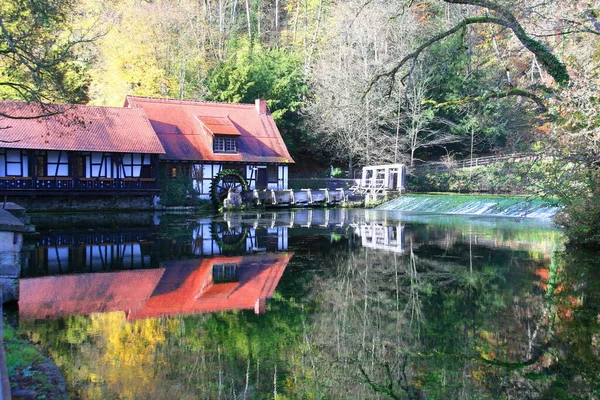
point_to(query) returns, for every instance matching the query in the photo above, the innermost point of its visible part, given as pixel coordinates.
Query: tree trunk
(248, 20)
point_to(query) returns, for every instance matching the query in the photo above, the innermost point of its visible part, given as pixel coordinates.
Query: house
(205, 139)
(76, 150)
(87, 150)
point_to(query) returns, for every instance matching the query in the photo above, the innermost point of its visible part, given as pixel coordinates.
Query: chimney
(260, 307)
(261, 106)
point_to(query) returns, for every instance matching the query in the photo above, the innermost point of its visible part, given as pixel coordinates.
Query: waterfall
(473, 205)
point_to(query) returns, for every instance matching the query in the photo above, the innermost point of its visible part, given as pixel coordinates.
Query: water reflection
(60, 252)
(179, 287)
(382, 237)
(363, 305)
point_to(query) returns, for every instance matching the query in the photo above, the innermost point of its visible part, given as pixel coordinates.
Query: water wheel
(223, 182)
(231, 240)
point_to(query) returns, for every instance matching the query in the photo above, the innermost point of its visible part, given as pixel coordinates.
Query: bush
(581, 221)
(337, 173)
(177, 192)
(517, 178)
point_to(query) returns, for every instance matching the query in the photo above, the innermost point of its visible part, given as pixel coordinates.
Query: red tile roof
(179, 125)
(78, 128)
(181, 287)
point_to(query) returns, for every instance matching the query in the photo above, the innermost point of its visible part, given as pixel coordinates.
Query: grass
(24, 363)
(20, 353)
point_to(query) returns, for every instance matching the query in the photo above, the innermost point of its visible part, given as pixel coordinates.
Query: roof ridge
(68, 106)
(187, 101)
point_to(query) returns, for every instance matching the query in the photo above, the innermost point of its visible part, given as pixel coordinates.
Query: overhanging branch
(415, 54)
(510, 92)
(503, 17)
(551, 63)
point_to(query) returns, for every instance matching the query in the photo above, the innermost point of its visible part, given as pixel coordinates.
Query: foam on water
(473, 205)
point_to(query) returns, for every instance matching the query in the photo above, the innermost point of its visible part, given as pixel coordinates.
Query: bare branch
(415, 54)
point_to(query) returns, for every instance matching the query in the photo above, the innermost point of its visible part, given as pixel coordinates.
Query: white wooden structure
(382, 237)
(376, 180)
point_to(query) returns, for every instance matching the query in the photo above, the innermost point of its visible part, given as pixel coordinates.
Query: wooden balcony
(70, 185)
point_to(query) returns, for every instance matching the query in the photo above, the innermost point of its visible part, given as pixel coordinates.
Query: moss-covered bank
(29, 370)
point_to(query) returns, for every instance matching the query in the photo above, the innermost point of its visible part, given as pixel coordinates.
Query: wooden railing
(479, 162)
(60, 184)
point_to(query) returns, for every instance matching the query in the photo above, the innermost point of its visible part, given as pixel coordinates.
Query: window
(272, 174)
(132, 164)
(224, 145)
(224, 273)
(13, 162)
(57, 163)
(100, 165)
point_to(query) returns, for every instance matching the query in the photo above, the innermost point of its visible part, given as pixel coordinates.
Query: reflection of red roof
(259, 275)
(84, 294)
(186, 130)
(78, 128)
(181, 287)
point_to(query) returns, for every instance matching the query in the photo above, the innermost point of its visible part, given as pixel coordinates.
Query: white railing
(480, 161)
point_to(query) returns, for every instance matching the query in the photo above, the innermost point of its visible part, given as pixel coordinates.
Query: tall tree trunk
(315, 34)
(276, 20)
(248, 20)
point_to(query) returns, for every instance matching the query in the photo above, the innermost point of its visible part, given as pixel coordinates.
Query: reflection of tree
(443, 320)
(453, 317)
(222, 355)
(571, 364)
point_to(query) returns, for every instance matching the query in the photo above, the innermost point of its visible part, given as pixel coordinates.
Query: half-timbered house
(76, 150)
(205, 139)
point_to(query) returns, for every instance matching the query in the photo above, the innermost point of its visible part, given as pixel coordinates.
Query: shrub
(177, 192)
(337, 173)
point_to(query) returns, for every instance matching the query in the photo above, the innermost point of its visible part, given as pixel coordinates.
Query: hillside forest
(349, 82)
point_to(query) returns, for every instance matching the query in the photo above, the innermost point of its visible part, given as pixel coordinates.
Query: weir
(473, 205)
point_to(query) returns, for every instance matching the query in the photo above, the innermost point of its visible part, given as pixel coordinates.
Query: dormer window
(224, 133)
(225, 145)
(226, 273)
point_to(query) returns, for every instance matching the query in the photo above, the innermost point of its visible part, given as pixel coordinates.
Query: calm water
(312, 304)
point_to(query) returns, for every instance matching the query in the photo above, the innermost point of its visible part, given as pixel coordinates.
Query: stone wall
(10, 264)
(40, 203)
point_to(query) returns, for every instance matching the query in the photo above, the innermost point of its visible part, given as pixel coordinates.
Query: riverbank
(31, 374)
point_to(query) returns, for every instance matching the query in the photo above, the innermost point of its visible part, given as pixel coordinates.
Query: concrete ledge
(9, 222)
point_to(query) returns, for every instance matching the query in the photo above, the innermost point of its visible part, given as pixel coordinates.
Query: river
(307, 304)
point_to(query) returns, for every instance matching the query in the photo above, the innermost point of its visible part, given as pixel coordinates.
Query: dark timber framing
(30, 172)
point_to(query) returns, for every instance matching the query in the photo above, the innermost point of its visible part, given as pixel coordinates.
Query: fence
(479, 162)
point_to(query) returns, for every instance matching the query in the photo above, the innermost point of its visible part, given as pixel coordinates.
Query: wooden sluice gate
(298, 198)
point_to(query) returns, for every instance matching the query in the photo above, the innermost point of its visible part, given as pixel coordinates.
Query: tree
(39, 53)
(505, 15)
(253, 72)
(358, 129)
